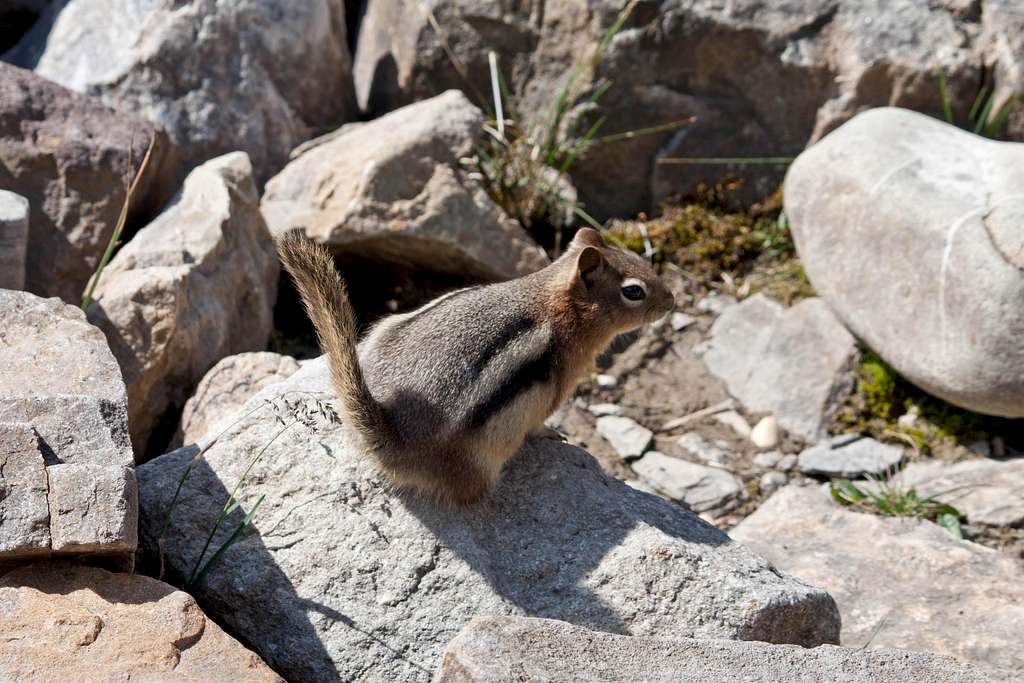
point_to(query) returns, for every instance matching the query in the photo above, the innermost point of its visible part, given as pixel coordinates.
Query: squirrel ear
(588, 265)
(587, 237)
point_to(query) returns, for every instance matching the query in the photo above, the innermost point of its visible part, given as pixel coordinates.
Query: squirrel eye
(633, 292)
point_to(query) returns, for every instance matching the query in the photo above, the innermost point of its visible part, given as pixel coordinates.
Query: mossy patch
(939, 428)
(743, 251)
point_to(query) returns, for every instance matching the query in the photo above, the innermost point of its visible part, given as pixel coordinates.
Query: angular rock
(69, 623)
(713, 454)
(602, 409)
(626, 436)
(828, 60)
(899, 582)
(943, 245)
(363, 581)
(702, 489)
(24, 511)
(986, 491)
(680, 321)
(220, 77)
(62, 406)
(70, 156)
(795, 363)
(195, 285)
(768, 459)
(520, 648)
(850, 456)
(226, 388)
(772, 480)
(394, 189)
(13, 240)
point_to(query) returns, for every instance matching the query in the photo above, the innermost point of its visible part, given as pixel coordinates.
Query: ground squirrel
(445, 394)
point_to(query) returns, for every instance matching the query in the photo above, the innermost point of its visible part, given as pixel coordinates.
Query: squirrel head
(617, 286)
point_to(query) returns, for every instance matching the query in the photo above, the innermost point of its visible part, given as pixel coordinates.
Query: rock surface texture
(898, 582)
(70, 157)
(363, 582)
(394, 188)
(67, 484)
(226, 388)
(194, 286)
(219, 76)
(13, 240)
(850, 456)
(797, 363)
(930, 216)
(63, 622)
(491, 649)
(702, 489)
(762, 77)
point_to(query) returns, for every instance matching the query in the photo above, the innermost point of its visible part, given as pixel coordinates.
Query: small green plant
(115, 237)
(981, 119)
(311, 413)
(891, 500)
(524, 169)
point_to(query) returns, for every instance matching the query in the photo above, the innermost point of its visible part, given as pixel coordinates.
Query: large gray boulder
(259, 76)
(195, 285)
(393, 188)
(363, 581)
(762, 77)
(67, 484)
(71, 158)
(492, 649)
(13, 239)
(899, 582)
(798, 364)
(911, 230)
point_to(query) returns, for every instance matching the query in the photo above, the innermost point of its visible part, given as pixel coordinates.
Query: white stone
(626, 436)
(703, 489)
(680, 321)
(607, 381)
(602, 409)
(765, 433)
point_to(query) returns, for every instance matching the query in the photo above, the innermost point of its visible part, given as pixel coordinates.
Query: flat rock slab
(491, 649)
(69, 155)
(63, 434)
(987, 491)
(628, 437)
(796, 363)
(930, 215)
(195, 285)
(226, 388)
(364, 582)
(702, 489)
(394, 189)
(63, 622)
(899, 582)
(850, 456)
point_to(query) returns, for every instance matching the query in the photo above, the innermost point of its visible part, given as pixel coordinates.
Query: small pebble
(981, 448)
(765, 433)
(626, 436)
(601, 409)
(680, 321)
(730, 418)
(787, 463)
(606, 381)
(773, 480)
(768, 460)
(910, 417)
(711, 454)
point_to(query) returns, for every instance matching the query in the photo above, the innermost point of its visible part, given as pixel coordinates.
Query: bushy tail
(326, 301)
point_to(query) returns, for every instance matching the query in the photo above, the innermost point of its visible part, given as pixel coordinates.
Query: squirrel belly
(443, 395)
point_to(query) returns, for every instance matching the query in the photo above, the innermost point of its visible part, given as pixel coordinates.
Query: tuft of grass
(983, 118)
(525, 169)
(891, 500)
(748, 251)
(287, 413)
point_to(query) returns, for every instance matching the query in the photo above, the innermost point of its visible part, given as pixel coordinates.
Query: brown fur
(444, 395)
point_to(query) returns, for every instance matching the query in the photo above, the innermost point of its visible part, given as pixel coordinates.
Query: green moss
(882, 396)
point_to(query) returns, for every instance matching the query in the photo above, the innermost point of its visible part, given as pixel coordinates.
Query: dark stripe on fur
(536, 370)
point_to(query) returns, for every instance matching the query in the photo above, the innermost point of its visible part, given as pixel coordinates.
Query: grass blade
(226, 545)
(947, 105)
